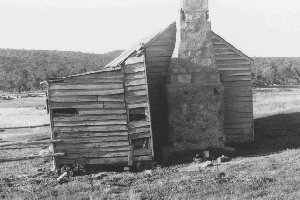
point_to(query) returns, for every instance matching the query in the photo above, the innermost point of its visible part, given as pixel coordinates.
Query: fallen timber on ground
(2, 160)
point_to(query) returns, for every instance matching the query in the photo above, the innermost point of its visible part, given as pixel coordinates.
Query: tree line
(275, 71)
(23, 70)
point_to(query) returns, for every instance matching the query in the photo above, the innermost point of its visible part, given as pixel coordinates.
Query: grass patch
(18, 102)
(268, 177)
(16, 117)
(273, 101)
(271, 172)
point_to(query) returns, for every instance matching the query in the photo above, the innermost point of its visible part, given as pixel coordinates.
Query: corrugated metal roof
(138, 46)
(115, 64)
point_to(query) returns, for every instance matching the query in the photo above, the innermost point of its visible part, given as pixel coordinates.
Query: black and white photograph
(149, 99)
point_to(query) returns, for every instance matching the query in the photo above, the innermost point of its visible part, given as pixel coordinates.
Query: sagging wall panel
(235, 73)
(98, 132)
(158, 56)
(137, 105)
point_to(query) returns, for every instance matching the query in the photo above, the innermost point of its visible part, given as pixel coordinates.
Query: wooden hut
(103, 117)
(119, 114)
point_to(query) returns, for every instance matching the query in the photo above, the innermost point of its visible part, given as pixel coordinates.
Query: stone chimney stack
(195, 33)
(194, 91)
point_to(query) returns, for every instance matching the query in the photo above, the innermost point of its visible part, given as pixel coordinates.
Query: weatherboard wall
(138, 108)
(158, 56)
(235, 74)
(97, 133)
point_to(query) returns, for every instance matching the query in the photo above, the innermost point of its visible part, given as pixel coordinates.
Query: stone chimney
(194, 90)
(195, 33)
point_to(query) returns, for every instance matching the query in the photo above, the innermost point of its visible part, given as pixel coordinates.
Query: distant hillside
(276, 70)
(23, 70)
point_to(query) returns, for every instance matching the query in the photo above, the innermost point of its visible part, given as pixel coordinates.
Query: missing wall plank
(65, 111)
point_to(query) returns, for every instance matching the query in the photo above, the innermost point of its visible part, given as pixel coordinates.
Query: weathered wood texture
(97, 161)
(33, 156)
(7, 144)
(235, 75)
(90, 113)
(158, 57)
(96, 128)
(137, 101)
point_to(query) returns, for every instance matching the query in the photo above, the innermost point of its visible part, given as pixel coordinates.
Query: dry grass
(272, 176)
(22, 112)
(19, 102)
(16, 117)
(267, 177)
(272, 101)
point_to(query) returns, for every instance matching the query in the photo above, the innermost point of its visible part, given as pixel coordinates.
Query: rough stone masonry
(195, 93)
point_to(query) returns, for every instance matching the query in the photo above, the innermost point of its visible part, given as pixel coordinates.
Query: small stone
(148, 172)
(214, 78)
(127, 169)
(22, 176)
(206, 154)
(39, 170)
(199, 160)
(99, 175)
(222, 159)
(195, 16)
(207, 164)
(200, 78)
(184, 78)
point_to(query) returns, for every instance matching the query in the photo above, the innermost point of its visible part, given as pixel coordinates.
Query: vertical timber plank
(55, 166)
(130, 155)
(149, 110)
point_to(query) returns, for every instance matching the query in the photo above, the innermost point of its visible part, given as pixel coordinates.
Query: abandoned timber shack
(144, 104)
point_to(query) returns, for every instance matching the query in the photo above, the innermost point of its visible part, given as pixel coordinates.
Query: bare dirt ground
(267, 169)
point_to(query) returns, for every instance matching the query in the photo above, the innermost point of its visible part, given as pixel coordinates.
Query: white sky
(256, 27)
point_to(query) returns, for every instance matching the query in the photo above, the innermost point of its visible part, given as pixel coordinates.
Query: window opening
(66, 111)
(137, 114)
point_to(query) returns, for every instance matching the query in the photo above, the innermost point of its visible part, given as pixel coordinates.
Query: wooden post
(52, 127)
(149, 110)
(130, 156)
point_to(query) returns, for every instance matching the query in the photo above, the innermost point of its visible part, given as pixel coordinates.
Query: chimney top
(194, 5)
(195, 33)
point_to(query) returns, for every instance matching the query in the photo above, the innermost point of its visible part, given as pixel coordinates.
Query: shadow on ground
(273, 134)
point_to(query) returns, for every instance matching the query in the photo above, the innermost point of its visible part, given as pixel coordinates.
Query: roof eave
(232, 47)
(82, 74)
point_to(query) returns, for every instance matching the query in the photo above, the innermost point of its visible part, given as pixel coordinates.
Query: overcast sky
(256, 27)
